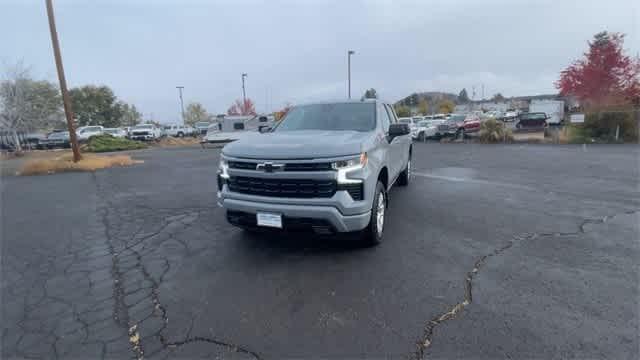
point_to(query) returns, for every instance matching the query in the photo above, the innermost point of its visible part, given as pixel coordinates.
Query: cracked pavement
(492, 252)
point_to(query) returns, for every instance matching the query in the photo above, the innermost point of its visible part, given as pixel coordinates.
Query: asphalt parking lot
(514, 251)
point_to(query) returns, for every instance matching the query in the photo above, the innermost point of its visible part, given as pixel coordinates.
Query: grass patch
(107, 143)
(574, 134)
(173, 141)
(65, 163)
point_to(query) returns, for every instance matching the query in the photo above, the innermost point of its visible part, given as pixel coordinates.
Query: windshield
(143, 127)
(91, 129)
(405, 121)
(59, 135)
(424, 123)
(202, 124)
(339, 116)
(533, 116)
(457, 117)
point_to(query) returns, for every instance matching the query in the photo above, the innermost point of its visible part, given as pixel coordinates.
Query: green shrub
(601, 126)
(494, 131)
(106, 143)
(575, 134)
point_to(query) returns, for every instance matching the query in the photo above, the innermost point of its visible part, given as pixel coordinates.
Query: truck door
(393, 148)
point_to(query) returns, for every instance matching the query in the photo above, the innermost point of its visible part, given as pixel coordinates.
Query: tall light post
(244, 94)
(349, 53)
(181, 101)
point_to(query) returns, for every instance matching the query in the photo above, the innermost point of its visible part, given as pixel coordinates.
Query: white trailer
(553, 108)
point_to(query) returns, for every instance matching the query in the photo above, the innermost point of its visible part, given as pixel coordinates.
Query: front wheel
(372, 234)
(421, 136)
(403, 178)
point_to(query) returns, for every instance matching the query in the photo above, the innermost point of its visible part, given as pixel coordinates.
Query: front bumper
(337, 221)
(344, 210)
(142, 137)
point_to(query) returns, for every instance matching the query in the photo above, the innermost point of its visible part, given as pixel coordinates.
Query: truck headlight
(348, 165)
(223, 169)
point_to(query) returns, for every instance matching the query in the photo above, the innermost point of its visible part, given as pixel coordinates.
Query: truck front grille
(293, 188)
(242, 165)
(245, 165)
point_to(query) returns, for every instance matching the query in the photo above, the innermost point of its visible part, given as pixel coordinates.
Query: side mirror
(398, 130)
(264, 129)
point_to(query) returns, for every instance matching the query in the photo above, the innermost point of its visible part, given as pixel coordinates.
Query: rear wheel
(372, 234)
(180, 134)
(421, 136)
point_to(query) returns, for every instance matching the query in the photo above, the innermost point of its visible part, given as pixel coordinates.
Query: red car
(471, 124)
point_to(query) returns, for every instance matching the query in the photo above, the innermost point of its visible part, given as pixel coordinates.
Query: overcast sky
(295, 51)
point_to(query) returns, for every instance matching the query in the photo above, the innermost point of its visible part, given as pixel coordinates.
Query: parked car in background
(553, 108)
(56, 139)
(510, 115)
(85, 132)
(178, 130)
(427, 129)
(532, 121)
(471, 125)
(145, 132)
(115, 132)
(452, 126)
(201, 127)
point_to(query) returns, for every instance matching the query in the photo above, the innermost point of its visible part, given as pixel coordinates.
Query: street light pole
(349, 53)
(66, 100)
(244, 94)
(181, 101)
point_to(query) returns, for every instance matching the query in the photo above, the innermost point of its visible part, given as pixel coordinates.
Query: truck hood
(304, 144)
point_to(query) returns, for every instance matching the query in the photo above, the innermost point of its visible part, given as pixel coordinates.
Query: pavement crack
(428, 331)
(427, 335)
(604, 219)
(228, 345)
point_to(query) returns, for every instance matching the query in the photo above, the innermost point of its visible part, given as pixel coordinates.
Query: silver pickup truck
(326, 167)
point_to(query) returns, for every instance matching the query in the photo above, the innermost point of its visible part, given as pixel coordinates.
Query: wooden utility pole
(66, 101)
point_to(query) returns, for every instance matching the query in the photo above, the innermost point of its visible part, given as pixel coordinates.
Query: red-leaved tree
(605, 76)
(242, 108)
(282, 112)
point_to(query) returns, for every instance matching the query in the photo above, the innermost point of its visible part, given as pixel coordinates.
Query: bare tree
(27, 104)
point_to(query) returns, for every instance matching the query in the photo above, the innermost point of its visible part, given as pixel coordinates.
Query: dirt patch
(537, 136)
(63, 163)
(173, 141)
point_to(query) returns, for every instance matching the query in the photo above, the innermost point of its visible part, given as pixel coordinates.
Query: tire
(180, 134)
(462, 134)
(405, 175)
(372, 234)
(421, 136)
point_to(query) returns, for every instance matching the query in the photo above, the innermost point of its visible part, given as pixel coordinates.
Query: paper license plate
(271, 220)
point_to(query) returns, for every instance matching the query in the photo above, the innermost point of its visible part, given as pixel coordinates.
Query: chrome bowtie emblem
(269, 167)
